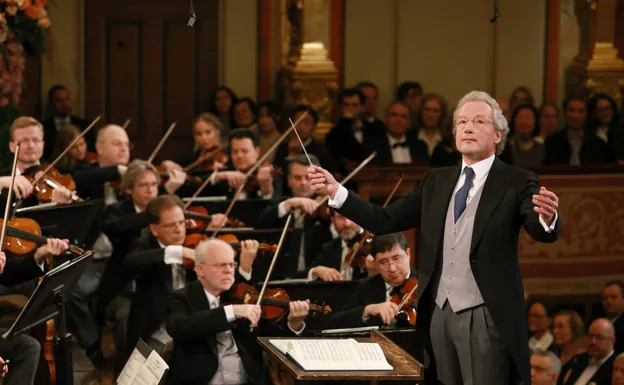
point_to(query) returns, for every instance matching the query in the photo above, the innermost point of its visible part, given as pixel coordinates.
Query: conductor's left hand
(546, 204)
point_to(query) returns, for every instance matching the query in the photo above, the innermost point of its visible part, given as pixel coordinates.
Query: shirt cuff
(229, 313)
(550, 228)
(245, 274)
(311, 275)
(268, 196)
(341, 197)
(173, 254)
(281, 210)
(297, 333)
(42, 264)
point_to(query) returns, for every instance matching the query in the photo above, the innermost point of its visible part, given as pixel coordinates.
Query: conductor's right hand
(386, 310)
(322, 181)
(249, 312)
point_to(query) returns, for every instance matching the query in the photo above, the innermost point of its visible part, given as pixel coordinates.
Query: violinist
(330, 260)
(76, 156)
(307, 230)
(155, 262)
(370, 303)
(245, 152)
(268, 126)
(213, 343)
(28, 132)
(23, 351)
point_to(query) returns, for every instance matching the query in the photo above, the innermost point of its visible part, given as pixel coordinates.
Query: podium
(405, 367)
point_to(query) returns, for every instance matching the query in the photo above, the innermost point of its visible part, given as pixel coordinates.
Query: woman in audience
(548, 121)
(568, 331)
(522, 149)
(603, 120)
(539, 321)
(221, 104)
(76, 155)
(269, 115)
(244, 113)
(521, 95)
(431, 117)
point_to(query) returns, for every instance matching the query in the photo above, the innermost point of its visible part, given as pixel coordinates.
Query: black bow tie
(399, 144)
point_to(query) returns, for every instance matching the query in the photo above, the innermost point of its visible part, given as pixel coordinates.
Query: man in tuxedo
(329, 261)
(545, 368)
(370, 304)
(60, 103)
(371, 98)
(211, 344)
(308, 232)
(596, 365)
(23, 351)
(613, 305)
(618, 370)
(245, 152)
(397, 144)
(155, 263)
(471, 295)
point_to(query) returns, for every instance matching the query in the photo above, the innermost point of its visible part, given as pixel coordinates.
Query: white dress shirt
(431, 143)
(60, 122)
(590, 370)
(400, 154)
(541, 344)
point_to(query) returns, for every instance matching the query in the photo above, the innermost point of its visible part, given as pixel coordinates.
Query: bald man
(596, 365)
(618, 370)
(210, 346)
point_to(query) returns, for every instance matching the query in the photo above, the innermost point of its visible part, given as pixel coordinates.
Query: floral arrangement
(21, 33)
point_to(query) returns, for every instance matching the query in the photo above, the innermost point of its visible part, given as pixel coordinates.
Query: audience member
(522, 149)
(539, 321)
(432, 115)
(568, 331)
(548, 122)
(545, 368)
(613, 305)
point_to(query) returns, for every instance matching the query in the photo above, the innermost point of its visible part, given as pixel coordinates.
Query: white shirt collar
(614, 319)
(481, 168)
(211, 299)
(333, 231)
(602, 361)
(389, 287)
(162, 245)
(136, 208)
(422, 135)
(542, 343)
(392, 140)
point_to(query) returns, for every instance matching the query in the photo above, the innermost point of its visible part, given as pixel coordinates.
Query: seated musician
(245, 153)
(330, 260)
(307, 230)
(155, 262)
(75, 156)
(370, 303)
(23, 351)
(28, 133)
(210, 346)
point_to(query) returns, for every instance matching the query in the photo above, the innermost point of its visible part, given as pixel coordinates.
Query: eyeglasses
(386, 263)
(222, 266)
(476, 122)
(597, 336)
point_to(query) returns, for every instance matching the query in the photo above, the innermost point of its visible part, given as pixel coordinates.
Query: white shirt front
(431, 143)
(400, 154)
(542, 343)
(590, 370)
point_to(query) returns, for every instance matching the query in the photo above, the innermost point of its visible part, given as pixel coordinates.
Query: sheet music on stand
(144, 367)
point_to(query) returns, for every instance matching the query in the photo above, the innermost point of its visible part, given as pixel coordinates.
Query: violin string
(300, 141)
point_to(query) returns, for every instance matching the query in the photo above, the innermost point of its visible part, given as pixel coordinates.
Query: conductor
(470, 289)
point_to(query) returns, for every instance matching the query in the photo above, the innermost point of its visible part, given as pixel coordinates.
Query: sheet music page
(156, 365)
(134, 364)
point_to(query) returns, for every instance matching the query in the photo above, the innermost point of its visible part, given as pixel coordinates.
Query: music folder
(144, 367)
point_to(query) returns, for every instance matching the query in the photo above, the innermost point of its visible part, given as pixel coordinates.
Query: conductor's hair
(383, 243)
(159, 204)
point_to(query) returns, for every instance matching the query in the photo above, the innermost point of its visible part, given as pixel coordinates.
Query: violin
(164, 175)
(275, 303)
(197, 219)
(359, 250)
(52, 180)
(193, 240)
(407, 300)
(207, 159)
(90, 158)
(24, 236)
(252, 182)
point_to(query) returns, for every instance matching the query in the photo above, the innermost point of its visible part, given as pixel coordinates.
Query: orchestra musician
(370, 305)
(211, 344)
(470, 217)
(308, 230)
(76, 156)
(28, 133)
(23, 351)
(154, 261)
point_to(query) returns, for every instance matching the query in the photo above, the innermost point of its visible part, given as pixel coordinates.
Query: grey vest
(457, 284)
(230, 370)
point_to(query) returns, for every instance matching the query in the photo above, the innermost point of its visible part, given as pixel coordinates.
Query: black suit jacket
(314, 232)
(342, 145)
(619, 335)
(50, 133)
(593, 150)
(330, 255)
(381, 144)
(368, 291)
(575, 367)
(193, 325)
(19, 270)
(505, 206)
(90, 180)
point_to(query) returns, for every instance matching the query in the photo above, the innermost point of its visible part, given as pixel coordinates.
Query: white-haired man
(471, 296)
(210, 347)
(545, 368)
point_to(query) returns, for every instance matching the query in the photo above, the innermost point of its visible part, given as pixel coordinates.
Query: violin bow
(76, 139)
(7, 207)
(255, 167)
(201, 158)
(356, 247)
(407, 297)
(199, 190)
(162, 141)
(126, 123)
(277, 250)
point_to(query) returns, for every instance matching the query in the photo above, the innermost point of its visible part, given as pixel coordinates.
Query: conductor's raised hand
(546, 205)
(322, 181)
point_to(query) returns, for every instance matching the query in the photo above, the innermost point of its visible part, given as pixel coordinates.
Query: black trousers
(23, 353)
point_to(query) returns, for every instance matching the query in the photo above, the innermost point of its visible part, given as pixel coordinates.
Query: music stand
(77, 221)
(48, 301)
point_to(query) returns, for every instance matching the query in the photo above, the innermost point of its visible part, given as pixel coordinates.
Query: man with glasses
(155, 263)
(545, 368)
(370, 303)
(471, 299)
(595, 366)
